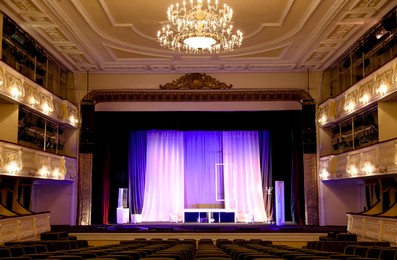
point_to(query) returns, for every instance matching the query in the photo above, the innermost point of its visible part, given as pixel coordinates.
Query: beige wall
(339, 197)
(9, 122)
(387, 120)
(86, 82)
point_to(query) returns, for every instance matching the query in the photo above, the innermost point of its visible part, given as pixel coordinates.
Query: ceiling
(119, 36)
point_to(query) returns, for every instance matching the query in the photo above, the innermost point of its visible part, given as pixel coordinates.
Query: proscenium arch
(191, 88)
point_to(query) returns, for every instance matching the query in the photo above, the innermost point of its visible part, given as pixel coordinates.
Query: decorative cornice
(195, 87)
(98, 96)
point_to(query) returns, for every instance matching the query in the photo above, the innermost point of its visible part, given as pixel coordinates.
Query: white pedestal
(123, 215)
(136, 218)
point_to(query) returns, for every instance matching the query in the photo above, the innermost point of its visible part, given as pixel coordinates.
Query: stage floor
(199, 227)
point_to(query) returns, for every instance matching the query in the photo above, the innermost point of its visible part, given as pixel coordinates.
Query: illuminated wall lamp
(324, 174)
(353, 171)
(56, 173)
(73, 120)
(323, 119)
(15, 92)
(368, 168)
(382, 89)
(350, 106)
(13, 168)
(33, 101)
(364, 99)
(44, 172)
(46, 108)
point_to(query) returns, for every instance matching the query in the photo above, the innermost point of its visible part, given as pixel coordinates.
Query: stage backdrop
(171, 161)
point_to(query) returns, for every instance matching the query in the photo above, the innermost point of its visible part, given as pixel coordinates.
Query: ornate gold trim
(196, 81)
(98, 96)
(195, 87)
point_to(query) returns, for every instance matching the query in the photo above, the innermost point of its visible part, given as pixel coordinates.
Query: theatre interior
(217, 129)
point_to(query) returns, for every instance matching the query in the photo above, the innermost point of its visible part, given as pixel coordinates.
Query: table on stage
(203, 215)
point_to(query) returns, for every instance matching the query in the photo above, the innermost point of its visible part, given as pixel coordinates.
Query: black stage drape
(112, 130)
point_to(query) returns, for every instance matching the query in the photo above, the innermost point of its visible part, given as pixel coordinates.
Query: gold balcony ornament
(199, 28)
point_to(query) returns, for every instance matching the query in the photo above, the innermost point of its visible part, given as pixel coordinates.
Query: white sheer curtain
(168, 152)
(242, 166)
(164, 181)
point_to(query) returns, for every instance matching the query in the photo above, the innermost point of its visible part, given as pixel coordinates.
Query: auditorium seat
(66, 257)
(5, 252)
(310, 257)
(133, 254)
(116, 256)
(388, 253)
(16, 251)
(16, 258)
(374, 252)
(37, 255)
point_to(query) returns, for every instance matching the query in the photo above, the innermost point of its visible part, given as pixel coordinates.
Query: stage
(290, 234)
(150, 227)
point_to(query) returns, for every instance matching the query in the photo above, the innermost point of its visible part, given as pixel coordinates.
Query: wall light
(349, 107)
(13, 167)
(33, 101)
(368, 168)
(324, 174)
(382, 89)
(353, 171)
(56, 173)
(323, 119)
(15, 92)
(364, 99)
(73, 120)
(44, 171)
(46, 108)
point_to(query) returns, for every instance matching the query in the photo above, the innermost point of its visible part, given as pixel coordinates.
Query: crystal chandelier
(198, 29)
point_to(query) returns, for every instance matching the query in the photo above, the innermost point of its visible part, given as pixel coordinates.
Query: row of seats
(339, 246)
(187, 249)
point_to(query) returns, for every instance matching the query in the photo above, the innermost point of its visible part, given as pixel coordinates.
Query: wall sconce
(13, 167)
(44, 172)
(56, 173)
(73, 120)
(368, 168)
(349, 107)
(324, 174)
(382, 89)
(46, 108)
(33, 101)
(15, 92)
(323, 119)
(364, 99)
(353, 171)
